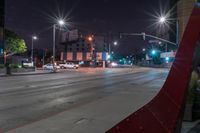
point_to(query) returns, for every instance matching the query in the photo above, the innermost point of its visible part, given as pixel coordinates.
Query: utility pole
(44, 54)
(32, 43)
(54, 45)
(59, 23)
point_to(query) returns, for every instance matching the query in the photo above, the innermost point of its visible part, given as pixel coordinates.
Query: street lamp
(163, 20)
(93, 53)
(115, 43)
(59, 23)
(109, 48)
(90, 38)
(33, 38)
(143, 49)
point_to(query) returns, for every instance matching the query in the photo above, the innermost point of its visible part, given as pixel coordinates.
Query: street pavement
(86, 100)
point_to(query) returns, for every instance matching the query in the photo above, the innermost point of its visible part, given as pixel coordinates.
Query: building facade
(82, 49)
(184, 10)
(2, 5)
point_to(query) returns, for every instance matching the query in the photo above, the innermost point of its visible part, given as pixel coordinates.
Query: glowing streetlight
(90, 38)
(93, 52)
(162, 19)
(165, 19)
(60, 22)
(143, 49)
(115, 43)
(33, 38)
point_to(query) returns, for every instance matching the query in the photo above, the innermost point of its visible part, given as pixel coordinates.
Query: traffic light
(167, 58)
(153, 52)
(120, 35)
(108, 57)
(144, 35)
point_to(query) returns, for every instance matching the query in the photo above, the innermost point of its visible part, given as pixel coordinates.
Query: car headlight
(113, 64)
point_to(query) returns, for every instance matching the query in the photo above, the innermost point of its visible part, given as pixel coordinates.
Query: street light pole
(109, 46)
(93, 52)
(43, 58)
(54, 45)
(32, 43)
(60, 23)
(164, 20)
(32, 50)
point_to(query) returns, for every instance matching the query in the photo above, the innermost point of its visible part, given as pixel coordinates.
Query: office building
(79, 48)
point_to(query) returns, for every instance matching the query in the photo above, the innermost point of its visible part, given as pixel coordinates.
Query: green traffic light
(153, 52)
(108, 57)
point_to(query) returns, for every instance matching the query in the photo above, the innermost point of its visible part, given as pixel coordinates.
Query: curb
(26, 74)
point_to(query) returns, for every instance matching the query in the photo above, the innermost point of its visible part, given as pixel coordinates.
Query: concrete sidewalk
(37, 72)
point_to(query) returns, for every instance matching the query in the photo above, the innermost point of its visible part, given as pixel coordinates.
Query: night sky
(28, 17)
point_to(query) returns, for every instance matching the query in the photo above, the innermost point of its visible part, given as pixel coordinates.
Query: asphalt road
(25, 99)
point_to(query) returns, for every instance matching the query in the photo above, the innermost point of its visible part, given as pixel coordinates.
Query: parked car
(49, 66)
(68, 65)
(61, 65)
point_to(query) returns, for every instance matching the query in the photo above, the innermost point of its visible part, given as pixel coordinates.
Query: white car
(69, 65)
(49, 66)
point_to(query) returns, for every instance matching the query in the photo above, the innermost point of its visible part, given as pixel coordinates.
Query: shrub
(15, 66)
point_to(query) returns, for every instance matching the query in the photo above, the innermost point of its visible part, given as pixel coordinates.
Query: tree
(14, 44)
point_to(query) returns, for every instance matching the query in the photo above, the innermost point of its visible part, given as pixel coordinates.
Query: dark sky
(28, 17)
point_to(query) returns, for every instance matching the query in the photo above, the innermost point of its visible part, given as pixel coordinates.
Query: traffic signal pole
(144, 35)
